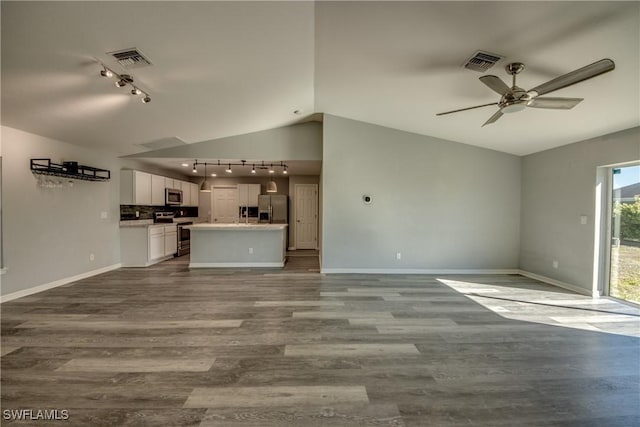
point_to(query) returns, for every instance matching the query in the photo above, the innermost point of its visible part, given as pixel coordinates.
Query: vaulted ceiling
(228, 68)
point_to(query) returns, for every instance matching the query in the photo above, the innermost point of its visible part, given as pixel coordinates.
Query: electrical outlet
(104, 215)
(92, 257)
(398, 255)
(555, 264)
(250, 251)
(583, 219)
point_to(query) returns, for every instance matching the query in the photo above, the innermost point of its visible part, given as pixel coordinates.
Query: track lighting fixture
(242, 164)
(123, 80)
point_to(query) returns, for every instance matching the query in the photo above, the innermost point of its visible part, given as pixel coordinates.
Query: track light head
(253, 169)
(229, 169)
(106, 73)
(146, 99)
(121, 83)
(284, 172)
(136, 91)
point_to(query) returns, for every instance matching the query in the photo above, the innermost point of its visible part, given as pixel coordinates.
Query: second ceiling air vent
(481, 61)
(130, 58)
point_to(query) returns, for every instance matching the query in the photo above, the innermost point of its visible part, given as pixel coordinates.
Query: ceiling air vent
(482, 61)
(130, 58)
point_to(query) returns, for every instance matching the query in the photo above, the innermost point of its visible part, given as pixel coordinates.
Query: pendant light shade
(272, 187)
(203, 186)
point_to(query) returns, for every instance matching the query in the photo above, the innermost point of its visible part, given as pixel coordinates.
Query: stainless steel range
(184, 239)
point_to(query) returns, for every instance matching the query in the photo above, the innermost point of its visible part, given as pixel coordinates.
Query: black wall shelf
(71, 170)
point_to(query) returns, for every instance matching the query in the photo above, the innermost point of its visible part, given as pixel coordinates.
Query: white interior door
(306, 216)
(225, 205)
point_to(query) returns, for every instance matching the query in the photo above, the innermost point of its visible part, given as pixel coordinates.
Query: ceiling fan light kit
(514, 98)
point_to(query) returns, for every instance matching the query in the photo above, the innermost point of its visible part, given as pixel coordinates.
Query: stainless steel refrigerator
(273, 209)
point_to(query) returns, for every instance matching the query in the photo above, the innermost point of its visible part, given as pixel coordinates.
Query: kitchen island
(237, 245)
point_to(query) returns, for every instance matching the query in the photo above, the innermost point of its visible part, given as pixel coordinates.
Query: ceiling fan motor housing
(514, 100)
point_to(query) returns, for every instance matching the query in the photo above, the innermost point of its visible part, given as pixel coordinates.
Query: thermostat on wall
(367, 199)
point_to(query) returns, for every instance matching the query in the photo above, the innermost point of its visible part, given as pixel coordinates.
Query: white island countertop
(238, 226)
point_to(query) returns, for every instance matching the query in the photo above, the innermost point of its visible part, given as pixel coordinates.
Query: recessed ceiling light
(185, 164)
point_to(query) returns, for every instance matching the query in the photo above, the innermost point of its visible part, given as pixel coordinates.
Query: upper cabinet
(135, 188)
(195, 194)
(248, 194)
(169, 183)
(157, 190)
(142, 188)
(186, 193)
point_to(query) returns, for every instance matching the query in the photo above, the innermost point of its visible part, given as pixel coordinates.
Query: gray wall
(293, 180)
(296, 142)
(558, 186)
(443, 205)
(48, 233)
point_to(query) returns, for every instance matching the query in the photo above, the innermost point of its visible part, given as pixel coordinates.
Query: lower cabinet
(146, 245)
(170, 239)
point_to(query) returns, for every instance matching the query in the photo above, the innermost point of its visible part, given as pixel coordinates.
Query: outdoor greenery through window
(624, 279)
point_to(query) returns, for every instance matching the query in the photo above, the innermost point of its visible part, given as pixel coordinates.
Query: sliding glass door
(624, 271)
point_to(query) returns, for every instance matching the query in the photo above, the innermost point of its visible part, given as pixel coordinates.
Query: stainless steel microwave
(173, 196)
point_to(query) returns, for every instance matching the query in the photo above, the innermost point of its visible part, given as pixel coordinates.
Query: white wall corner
(56, 283)
(558, 283)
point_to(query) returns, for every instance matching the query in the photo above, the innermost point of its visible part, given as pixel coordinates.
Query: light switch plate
(583, 219)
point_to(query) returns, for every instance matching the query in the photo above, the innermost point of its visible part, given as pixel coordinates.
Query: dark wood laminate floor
(166, 346)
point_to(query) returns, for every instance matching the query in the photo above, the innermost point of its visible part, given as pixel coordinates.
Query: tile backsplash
(128, 212)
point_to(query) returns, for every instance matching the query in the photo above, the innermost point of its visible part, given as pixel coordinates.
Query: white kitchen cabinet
(170, 239)
(169, 183)
(195, 194)
(254, 192)
(135, 187)
(157, 190)
(156, 242)
(186, 193)
(248, 194)
(142, 246)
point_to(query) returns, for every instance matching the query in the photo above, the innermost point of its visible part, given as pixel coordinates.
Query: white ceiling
(229, 68)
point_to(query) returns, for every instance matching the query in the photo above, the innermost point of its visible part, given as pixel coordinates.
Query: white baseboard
(234, 264)
(415, 271)
(56, 283)
(558, 283)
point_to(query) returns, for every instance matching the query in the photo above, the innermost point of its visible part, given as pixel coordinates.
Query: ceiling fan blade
(465, 109)
(554, 103)
(576, 76)
(495, 84)
(493, 118)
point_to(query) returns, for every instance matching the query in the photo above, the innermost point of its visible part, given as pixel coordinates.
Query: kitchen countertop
(148, 222)
(207, 226)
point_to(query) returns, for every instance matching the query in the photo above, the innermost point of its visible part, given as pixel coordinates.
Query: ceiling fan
(515, 98)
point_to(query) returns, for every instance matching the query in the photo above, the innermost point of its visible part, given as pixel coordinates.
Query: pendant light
(203, 186)
(272, 187)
